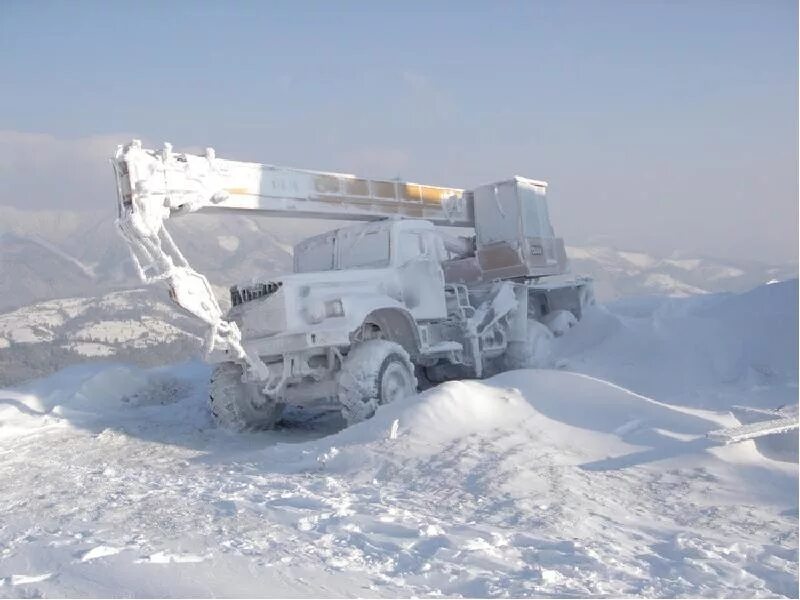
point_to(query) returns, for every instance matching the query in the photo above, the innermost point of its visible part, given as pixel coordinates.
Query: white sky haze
(660, 126)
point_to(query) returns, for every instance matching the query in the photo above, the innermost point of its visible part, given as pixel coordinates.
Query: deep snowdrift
(546, 482)
(708, 351)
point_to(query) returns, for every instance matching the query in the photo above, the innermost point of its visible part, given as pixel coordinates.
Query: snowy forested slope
(591, 478)
(141, 326)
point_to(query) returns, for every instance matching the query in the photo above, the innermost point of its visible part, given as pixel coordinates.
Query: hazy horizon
(660, 127)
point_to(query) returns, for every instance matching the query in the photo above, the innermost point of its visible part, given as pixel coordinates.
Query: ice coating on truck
(371, 309)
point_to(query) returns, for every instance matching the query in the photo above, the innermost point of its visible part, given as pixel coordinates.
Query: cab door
(421, 275)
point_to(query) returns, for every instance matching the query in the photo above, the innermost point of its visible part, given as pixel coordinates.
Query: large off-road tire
(374, 372)
(240, 405)
(534, 352)
(560, 321)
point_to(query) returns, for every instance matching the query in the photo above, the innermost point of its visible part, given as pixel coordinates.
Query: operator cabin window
(537, 219)
(364, 250)
(410, 248)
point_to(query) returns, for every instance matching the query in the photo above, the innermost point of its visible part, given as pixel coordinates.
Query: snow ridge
(594, 479)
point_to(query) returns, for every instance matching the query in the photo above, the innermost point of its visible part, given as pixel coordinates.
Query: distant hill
(54, 254)
(68, 290)
(619, 273)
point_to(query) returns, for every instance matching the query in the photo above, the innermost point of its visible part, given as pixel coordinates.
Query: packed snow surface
(591, 478)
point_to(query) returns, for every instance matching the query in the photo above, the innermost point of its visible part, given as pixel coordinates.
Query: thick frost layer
(534, 483)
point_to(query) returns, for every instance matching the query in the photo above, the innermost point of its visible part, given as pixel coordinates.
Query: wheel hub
(396, 384)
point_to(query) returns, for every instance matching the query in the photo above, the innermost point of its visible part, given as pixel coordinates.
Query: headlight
(334, 308)
(317, 311)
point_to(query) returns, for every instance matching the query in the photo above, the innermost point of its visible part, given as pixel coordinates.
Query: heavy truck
(370, 309)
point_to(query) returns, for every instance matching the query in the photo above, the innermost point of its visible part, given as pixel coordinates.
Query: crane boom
(188, 183)
(153, 186)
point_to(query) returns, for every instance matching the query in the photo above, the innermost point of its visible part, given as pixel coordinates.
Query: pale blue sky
(660, 125)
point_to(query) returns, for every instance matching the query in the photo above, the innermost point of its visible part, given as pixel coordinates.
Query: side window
(409, 248)
(434, 247)
(364, 249)
(496, 213)
(537, 219)
(314, 255)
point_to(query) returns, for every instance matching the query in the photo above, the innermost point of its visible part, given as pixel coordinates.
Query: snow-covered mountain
(137, 325)
(594, 478)
(57, 254)
(68, 290)
(31, 269)
(49, 254)
(619, 273)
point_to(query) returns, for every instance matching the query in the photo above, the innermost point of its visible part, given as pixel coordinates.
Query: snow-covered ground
(591, 478)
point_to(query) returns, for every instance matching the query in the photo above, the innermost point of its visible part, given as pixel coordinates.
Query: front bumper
(285, 343)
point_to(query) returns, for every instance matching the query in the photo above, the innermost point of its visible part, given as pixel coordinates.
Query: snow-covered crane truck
(369, 307)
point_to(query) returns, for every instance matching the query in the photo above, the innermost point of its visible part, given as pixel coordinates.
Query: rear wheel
(560, 321)
(534, 352)
(240, 405)
(374, 372)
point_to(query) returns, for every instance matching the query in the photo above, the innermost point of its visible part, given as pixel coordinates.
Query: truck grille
(246, 293)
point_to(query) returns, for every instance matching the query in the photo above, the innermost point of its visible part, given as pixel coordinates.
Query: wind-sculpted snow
(711, 351)
(531, 483)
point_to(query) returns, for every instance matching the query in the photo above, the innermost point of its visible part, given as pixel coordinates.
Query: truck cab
(410, 251)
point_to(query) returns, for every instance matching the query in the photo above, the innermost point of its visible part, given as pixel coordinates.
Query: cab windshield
(363, 249)
(355, 249)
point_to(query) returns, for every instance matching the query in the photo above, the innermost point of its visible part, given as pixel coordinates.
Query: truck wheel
(240, 405)
(374, 372)
(533, 352)
(559, 321)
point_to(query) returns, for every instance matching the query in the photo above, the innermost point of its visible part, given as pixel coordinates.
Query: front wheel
(374, 372)
(240, 405)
